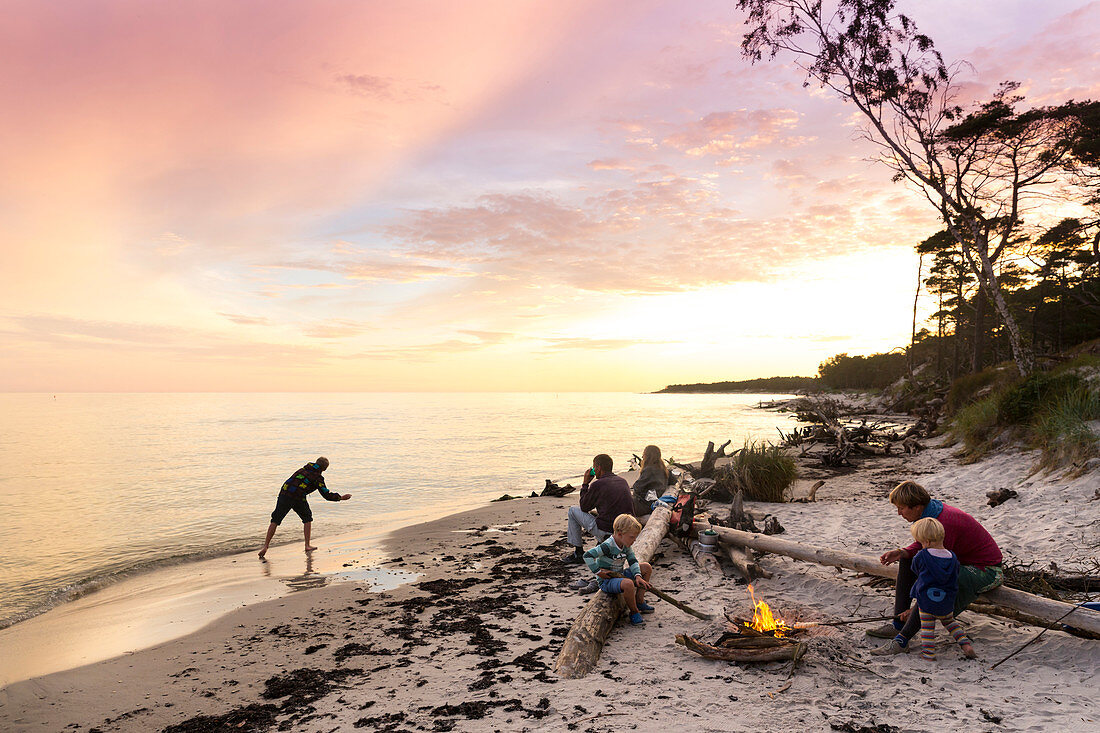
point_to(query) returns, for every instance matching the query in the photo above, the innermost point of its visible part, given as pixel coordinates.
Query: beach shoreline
(470, 644)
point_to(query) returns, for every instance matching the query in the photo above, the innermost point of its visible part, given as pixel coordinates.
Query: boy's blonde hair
(626, 524)
(927, 530)
(909, 493)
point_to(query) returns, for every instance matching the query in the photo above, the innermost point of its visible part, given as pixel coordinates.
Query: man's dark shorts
(285, 504)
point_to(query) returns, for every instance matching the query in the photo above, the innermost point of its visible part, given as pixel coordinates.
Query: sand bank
(470, 645)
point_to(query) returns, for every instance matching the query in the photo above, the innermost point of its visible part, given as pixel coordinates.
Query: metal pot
(710, 537)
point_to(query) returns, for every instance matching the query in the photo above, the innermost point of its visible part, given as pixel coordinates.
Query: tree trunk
(1021, 352)
(1044, 609)
(582, 646)
(913, 334)
(977, 356)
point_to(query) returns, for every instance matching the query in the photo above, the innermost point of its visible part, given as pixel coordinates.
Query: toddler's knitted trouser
(928, 632)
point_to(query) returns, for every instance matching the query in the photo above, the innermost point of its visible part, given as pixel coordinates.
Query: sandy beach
(470, 644)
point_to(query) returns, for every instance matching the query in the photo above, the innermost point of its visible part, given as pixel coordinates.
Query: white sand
(478, 654)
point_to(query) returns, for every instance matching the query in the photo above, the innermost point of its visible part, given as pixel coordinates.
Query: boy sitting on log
(606, 561)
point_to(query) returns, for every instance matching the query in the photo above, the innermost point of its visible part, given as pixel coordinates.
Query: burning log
(774, 650)
(763, 639)
(1045, 609)
(582, 646)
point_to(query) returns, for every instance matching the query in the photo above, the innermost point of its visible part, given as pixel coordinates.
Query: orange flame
(763, 620)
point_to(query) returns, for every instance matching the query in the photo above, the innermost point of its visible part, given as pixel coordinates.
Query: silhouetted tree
(981, 170)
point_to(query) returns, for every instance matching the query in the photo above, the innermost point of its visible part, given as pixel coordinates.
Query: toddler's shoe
(636, 619)
(645, 608)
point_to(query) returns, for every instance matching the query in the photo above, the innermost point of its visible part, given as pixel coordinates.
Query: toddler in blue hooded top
(937, 583)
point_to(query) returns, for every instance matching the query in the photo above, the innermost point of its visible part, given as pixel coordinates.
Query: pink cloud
(723, 133)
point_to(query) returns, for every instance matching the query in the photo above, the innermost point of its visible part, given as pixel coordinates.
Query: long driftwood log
(1044, 609)
(582, 646)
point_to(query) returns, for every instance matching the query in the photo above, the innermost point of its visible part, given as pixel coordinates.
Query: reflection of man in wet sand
(292, 495)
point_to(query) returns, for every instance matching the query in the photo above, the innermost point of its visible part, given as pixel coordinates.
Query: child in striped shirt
(606, 561)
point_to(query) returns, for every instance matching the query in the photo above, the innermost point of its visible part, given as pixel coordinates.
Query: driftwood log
(739, 518)
(582, 646)
(710, 457)
(992, 609)
(812, 496)
(743, 562)
(1044, 609)
(705, 558)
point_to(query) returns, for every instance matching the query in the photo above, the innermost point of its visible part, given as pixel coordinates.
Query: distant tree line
(767, 385)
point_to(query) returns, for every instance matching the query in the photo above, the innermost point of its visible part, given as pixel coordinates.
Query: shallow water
(102, 487)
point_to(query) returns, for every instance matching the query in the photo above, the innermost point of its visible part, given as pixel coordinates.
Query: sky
(487, 195)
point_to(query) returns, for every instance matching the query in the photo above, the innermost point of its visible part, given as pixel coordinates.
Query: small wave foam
(65, 590)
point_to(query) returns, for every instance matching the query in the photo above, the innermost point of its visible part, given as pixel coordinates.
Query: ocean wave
(98, 578)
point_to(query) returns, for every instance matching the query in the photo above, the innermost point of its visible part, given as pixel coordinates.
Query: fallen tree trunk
(582, 646)
(992, 609)
(1044, 609)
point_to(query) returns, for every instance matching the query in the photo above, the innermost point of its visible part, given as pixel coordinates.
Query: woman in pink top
(978, 554)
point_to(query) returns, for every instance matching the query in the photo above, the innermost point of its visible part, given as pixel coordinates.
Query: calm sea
(99, 487)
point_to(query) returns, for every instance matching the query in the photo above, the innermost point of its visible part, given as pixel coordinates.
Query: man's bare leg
(306, 527)
(267, 540)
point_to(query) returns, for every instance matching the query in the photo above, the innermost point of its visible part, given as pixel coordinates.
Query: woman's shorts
(974, 581)
(285, 504)
(614, 586)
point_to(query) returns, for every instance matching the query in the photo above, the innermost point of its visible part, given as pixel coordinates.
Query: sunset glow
(486, 195)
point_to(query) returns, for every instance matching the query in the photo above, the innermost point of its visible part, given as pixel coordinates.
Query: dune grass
(763, 471)
(1049, 411)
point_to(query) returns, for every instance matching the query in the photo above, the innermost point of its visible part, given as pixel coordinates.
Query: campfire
(764, 621)
(763, 639)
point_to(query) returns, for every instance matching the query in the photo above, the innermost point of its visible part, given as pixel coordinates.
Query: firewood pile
(763, 638)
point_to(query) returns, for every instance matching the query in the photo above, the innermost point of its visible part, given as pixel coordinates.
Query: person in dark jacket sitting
(608, 495)
(292, 495)
(653, 481)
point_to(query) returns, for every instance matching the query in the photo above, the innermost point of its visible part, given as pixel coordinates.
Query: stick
(680, 605)
(808, 624)
(1034, 639)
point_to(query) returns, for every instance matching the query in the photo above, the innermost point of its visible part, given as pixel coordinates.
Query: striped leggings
(928, 632)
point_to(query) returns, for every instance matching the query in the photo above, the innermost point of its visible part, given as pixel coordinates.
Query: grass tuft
(1049, 411)
(763, 471)
(1061, 430)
